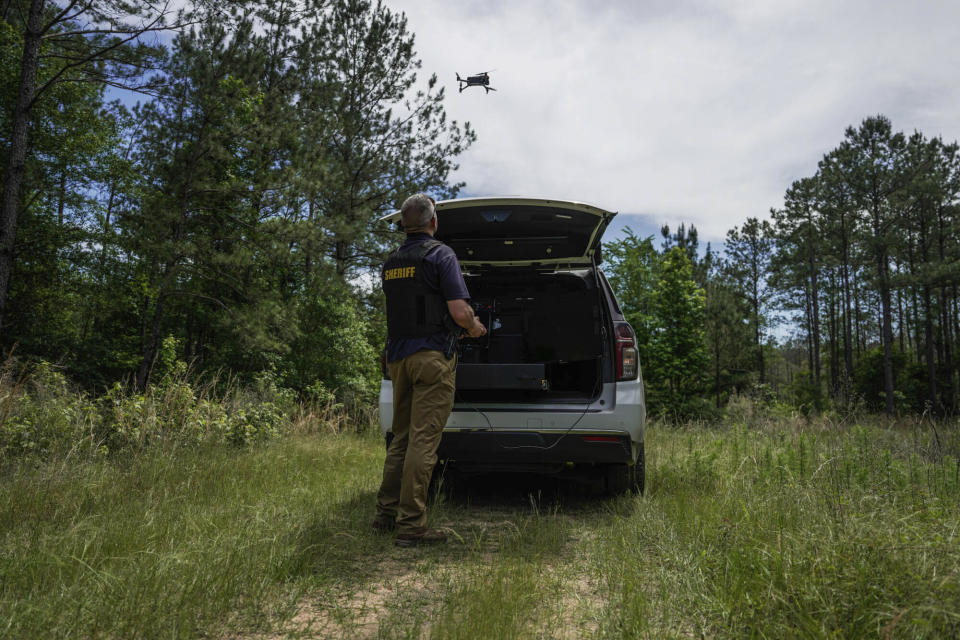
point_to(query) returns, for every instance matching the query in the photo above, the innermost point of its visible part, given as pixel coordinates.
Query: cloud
(702, 112)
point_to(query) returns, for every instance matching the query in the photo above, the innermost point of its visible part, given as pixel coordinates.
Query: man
(426, 302)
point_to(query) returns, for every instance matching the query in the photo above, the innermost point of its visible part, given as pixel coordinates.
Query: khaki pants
(423, 386)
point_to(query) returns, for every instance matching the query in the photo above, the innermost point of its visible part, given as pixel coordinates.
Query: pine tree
(677, 362)
(199, 233)
(68, 42)
(749, 250)
(798, 259)
(840, 239)
(876, 174)
(727, 335)
(382, 136)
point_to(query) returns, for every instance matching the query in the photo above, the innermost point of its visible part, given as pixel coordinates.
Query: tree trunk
(308, 244)
(716, 378)
(886, 331)
(928, 348)
(834, 330)
(947, 348)
(945, 325)
(150, 346)
(815, 318)
(341, 257)
(756, 324)
(904, 341)
(17, 157)
(857, 325)
(913, 312)
(903, 348)
(847, 338)
(955, 322)
(809, 322)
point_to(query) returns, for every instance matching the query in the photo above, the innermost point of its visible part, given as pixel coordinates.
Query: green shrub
(807, 396)
(42, 414)
(334, 347)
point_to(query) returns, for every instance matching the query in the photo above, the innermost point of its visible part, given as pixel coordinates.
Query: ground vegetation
(772, 525)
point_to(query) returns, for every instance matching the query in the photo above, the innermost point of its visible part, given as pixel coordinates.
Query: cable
(538, 447)
(597, 389)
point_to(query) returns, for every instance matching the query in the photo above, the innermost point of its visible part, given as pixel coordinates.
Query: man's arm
(464, 316)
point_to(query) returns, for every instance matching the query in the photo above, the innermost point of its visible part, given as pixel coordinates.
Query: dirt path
(492, 536)
(372, 610)
(358, 613)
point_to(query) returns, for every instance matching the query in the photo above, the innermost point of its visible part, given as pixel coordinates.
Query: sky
(671, 111)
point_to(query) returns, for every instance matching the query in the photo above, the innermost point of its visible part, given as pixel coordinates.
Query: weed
(802, 528)
(42, 415)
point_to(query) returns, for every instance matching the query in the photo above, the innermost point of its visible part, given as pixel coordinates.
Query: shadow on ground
(520, 512)
(355, 578)
(485, 513)
(338, 544)
(521, 492)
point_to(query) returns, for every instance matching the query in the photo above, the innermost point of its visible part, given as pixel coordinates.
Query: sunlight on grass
(165, 544)
(806, 533)
(790, 530)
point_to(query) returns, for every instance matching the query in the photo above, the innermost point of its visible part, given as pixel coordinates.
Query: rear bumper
(481, 430)
(518, 448)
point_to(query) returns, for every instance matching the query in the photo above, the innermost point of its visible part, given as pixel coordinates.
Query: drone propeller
(483, 72)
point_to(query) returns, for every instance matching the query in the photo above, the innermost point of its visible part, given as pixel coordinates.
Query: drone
(479, 80)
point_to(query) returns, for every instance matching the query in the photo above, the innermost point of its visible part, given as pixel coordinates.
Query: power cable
(597, 389)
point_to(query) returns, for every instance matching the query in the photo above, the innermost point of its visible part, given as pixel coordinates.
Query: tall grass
(804, 531)
(179, 544)
(149, 514)
(148, 522)
(43, 415)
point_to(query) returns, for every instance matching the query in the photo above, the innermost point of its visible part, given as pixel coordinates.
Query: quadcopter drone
(479, 80)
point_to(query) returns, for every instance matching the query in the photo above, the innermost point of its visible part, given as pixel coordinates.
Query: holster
(454, 331)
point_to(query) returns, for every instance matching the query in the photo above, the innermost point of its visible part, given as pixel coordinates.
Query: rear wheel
(621, 478)
(618, 478)
(640, 472)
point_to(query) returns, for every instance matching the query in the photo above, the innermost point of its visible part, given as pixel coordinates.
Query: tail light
(627, 355)
(601, 439)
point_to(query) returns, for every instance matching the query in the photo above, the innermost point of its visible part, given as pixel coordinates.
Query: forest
(227, 214)
(200, 188)
(845, 299)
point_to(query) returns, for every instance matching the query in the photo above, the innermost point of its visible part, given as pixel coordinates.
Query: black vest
(415, 305)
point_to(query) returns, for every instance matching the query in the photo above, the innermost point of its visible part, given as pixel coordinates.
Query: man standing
(426, 301)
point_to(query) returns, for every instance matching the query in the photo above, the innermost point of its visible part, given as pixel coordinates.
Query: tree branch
(193, 294)
(118, 31)
(85, 60)
(60, 16)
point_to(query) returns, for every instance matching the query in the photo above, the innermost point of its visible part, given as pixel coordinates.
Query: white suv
(555, 385)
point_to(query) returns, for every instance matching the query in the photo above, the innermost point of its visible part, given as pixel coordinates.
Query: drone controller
(487, 312)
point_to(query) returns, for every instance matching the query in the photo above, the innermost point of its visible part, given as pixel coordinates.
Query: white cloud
(682, 111)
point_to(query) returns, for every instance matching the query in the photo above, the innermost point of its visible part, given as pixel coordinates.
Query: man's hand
(478, 329)
(464, 316)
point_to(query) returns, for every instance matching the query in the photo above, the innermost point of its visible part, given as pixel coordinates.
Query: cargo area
(544, 340)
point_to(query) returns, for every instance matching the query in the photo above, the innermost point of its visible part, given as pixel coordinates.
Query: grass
(781, 529)
(169, 544)
(849, 533)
